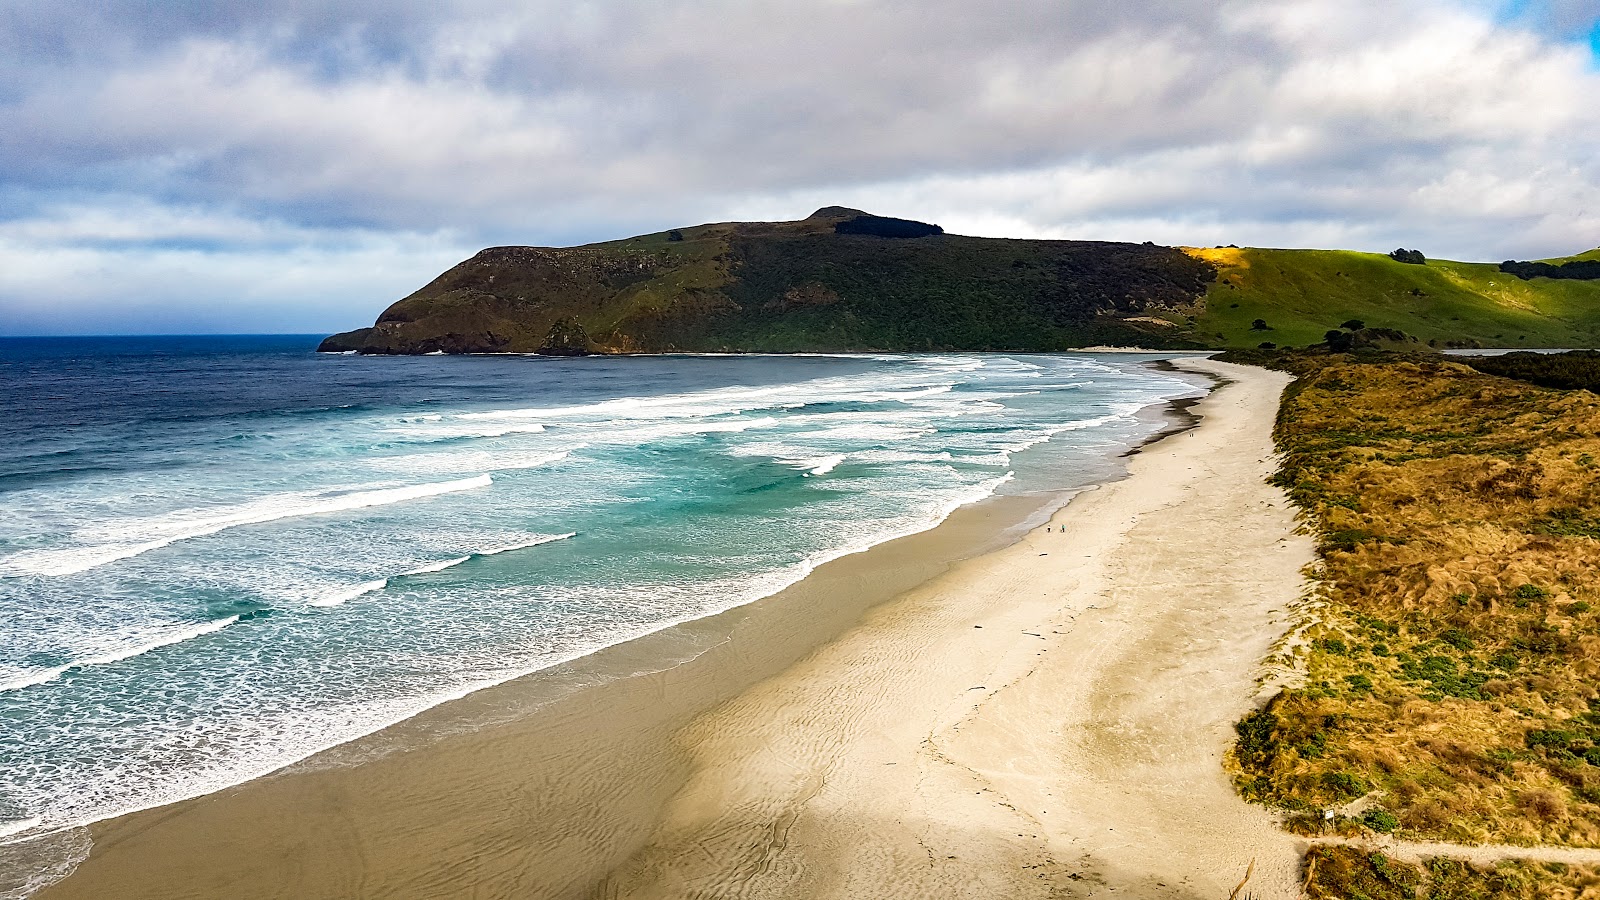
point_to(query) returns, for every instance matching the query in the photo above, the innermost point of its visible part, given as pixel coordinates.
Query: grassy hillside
(1303, 293)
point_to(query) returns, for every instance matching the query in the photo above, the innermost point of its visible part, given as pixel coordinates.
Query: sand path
(1044, 721)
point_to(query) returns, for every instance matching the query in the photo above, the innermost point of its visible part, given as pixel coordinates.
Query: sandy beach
(953, 714)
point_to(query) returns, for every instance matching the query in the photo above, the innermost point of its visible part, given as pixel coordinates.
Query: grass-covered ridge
(1297, 293)
(1452, 686)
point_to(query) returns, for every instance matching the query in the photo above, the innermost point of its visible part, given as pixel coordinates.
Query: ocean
(219, 555)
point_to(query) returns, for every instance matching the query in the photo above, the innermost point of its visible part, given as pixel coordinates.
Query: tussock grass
(1351, 873)
(1452, 680)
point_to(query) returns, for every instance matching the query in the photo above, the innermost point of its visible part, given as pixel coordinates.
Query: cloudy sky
(290, 165)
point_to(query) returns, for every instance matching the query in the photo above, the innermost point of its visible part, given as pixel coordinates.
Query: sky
(179, 166)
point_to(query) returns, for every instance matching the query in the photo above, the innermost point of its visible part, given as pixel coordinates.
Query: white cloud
(146, 269)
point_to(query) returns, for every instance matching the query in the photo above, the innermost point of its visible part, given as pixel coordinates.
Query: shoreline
(1033, 723)
(542, 785)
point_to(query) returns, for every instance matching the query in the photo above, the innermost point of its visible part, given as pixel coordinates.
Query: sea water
(220, 555)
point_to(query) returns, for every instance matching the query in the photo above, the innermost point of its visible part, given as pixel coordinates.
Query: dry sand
(1044, 720)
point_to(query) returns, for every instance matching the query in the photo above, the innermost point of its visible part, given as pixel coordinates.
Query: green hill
(1302, 293)
(845, 280)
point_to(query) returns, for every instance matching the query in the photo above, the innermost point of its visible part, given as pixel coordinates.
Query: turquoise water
(220, 556)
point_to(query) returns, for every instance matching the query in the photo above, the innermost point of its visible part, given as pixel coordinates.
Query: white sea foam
(162, 639)
(870, 433)
(130, 538)
(533, 541)
(826, 464)
(471, 461)
(438, 566)
(624, 433)
(17, 826)
(345, 596)
(435, 431)
(727, 401)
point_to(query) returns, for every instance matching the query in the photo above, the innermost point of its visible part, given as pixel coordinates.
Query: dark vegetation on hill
(1452, 667)
(1578, 369)
(839, 280)
(1584, 269)
(884, 226)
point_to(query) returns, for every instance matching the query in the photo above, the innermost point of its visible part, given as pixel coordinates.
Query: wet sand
(949, 714)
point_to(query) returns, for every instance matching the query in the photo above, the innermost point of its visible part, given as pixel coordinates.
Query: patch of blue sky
(1516, 10)
(1577, 22)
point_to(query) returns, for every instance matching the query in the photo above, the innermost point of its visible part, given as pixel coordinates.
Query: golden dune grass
(1450, 680)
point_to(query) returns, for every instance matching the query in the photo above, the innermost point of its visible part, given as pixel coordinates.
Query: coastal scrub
(1450, 688)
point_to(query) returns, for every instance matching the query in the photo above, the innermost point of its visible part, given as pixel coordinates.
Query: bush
(1353, 325)
(1344, 785)
(1414, 257)
(1573, 370)
(886, 226)
(1258, 740)
(1260, 325)
(1577, 269)
(1380, 820)
(1550, 738)
(1348, 539)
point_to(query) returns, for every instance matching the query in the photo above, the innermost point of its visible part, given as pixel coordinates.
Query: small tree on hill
(1260, 325)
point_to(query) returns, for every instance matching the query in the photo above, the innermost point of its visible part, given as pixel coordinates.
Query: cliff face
(838, 280)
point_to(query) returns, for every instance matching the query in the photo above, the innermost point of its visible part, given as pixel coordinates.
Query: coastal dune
(1048, 720)
(955, 713)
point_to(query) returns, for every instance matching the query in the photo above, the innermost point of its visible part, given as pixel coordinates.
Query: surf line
(369, 587)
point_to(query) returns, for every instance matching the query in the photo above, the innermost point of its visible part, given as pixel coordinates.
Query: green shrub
(1344, 784)
(1552, 738)
(1258, 739)
(1380, 820)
